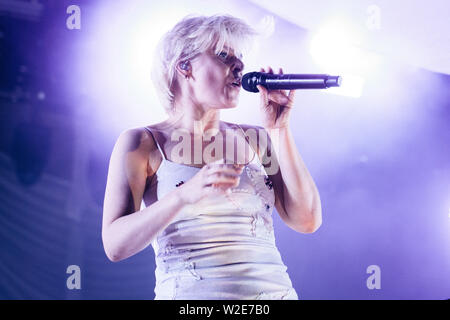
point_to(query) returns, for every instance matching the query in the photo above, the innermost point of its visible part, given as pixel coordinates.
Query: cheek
(213, 88)
(214, 78)
(217, 89)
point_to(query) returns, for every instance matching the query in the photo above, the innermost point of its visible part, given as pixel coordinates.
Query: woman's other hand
(213, 179)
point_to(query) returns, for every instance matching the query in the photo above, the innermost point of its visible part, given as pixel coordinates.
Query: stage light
(334, 48)
(351, 86)
(40, 95)
(143, 38)
(117, 59)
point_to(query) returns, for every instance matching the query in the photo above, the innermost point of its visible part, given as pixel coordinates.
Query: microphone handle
(299, 81)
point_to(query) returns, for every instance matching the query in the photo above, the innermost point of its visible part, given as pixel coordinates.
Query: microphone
(288, 81)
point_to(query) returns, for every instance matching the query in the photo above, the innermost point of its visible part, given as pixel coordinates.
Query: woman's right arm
(126, 230)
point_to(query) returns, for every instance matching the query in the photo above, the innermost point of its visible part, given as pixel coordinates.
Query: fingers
(223, 176)
(270, 70)
(220, 165)
(264, 94)
(222, 183)
(291, 96)
(225, 169)
(222, 179)
(278, 99)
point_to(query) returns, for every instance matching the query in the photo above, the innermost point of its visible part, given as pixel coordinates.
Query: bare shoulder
(140, 147)
(134, 139)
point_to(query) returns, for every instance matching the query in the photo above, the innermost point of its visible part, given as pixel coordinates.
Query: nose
(237, 67)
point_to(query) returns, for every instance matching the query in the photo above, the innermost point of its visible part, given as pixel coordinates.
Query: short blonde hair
(190, 37)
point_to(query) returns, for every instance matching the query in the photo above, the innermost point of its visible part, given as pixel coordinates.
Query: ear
(184, 68)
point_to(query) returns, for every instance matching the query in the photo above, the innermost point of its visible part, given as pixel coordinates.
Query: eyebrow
(236, 54)
(239, 55)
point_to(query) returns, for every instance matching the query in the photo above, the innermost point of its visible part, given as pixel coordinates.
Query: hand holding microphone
(276, 103)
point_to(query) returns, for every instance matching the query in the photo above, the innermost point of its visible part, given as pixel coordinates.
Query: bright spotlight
(351, 86)
(333, 48)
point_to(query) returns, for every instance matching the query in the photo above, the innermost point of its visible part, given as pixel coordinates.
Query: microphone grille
(249, 81)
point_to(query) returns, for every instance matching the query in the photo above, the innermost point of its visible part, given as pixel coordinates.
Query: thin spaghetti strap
(157, 144)
(246, 138)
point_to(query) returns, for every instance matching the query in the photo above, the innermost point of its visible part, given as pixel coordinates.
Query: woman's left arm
(297, 197)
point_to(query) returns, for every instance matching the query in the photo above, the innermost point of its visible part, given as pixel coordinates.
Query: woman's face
(216, 79)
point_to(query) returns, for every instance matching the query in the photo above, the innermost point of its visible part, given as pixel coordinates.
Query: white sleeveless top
(222, 247)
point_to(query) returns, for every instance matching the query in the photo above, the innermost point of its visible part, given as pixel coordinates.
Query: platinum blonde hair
(191, 36)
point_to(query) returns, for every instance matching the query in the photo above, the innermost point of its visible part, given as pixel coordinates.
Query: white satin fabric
(221, 247)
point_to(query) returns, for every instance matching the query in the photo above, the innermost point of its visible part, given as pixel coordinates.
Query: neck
(195, 119)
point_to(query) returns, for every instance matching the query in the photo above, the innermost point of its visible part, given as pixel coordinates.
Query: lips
(236, 83)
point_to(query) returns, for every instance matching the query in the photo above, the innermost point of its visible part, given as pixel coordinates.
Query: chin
(232, 104)
(229, 103)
